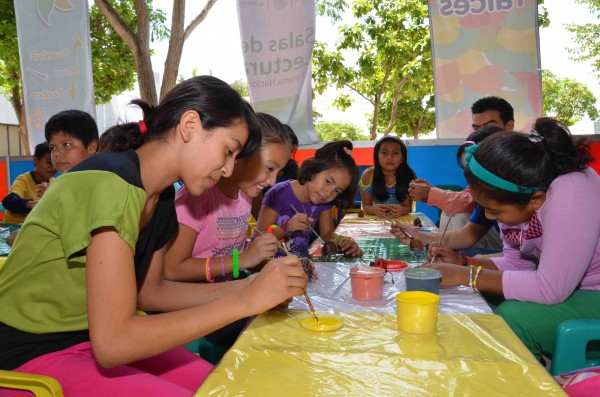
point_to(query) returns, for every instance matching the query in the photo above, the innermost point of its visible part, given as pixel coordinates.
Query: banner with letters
(482, 48)
(277, 42)
(56, 62)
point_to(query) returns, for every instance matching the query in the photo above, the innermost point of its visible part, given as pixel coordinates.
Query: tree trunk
(17, 104)
(139, 45)
(397, 92)
(377, 102)
(175, 48)
(143, 62)
(178, 37)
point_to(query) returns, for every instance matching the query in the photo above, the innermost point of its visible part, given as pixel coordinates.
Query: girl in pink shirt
(545, 198)
(212, 227)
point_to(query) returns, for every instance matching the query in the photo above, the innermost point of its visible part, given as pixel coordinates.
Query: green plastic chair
(577, 346)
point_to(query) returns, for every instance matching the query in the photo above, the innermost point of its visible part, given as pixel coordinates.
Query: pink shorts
(178, 372)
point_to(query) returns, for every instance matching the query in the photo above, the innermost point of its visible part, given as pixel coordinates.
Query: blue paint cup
(423, 279)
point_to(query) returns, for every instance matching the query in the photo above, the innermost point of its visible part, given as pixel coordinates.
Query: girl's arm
(404, 208)
(120, 336)
(327, 230)
(487, 280)
(326, 227)
(366, 199)
(268, 216)
(180, 266)
(466, 237)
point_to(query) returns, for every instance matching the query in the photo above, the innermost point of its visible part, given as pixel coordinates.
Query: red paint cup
(367, 282)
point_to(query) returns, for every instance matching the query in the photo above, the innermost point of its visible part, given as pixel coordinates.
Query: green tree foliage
(139, 37)
(112, 64)
(567, 100)
(390, 56)
(587, 36)
(241, 86)
(418, 117)
(334, 131)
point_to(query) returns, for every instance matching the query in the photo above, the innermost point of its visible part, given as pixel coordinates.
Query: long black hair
(404, 174)
(217, 104)
(530, 160)
(333, 155)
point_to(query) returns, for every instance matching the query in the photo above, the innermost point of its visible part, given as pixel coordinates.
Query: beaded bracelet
(235, 263)
(222, 266)
(473, 277)
(208, 278)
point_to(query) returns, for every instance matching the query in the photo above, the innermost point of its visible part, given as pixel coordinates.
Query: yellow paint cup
(417, 311)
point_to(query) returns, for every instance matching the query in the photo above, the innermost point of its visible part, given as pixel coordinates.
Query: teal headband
(490, 178)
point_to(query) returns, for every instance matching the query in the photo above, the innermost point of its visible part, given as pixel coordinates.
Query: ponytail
(567, 155)
(217, 104)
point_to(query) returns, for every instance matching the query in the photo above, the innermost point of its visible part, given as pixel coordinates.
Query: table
(470, 355)
(5, 230)
(473, 351)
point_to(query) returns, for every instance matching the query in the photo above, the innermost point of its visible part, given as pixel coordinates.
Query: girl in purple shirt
(545, 198)
(330, 178)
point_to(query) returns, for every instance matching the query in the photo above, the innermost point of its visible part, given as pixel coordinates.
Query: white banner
(56, 62)
(484, 48)
(277, 42)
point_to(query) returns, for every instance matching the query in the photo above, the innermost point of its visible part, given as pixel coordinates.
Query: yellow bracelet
(473, 277)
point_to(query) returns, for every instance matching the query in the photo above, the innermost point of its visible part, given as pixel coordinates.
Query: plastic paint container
(367, 282)
(423, 279)
(417, 311)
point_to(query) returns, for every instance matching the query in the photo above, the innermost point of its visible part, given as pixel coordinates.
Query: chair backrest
(576, 346)
(39, 385)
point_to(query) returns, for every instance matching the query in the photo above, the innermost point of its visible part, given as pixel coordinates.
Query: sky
(214, 48)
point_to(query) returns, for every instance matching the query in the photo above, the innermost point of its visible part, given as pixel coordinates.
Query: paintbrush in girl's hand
(310, 227)
(390, 220)
(443, 235)
(310, 305)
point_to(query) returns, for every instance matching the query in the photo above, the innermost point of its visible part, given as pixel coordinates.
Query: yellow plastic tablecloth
(469, 355)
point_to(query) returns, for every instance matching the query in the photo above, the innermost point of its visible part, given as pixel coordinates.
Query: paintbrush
(310, 227)
(390, 220)
(310, 305)
(443, 235)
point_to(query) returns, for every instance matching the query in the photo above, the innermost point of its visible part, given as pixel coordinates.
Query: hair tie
(535, 137)
(348, 151)
(469, 143)
(143, 128)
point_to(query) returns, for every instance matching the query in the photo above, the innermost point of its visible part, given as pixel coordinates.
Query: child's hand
(263, 247)
(40, 189)
(443, 254)
(397, 210)
(278, 281)
(381, 209)
(452, 275)
(419, 191)
(30, 204)
(349, 247)
(397, 231)
(298, 222)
